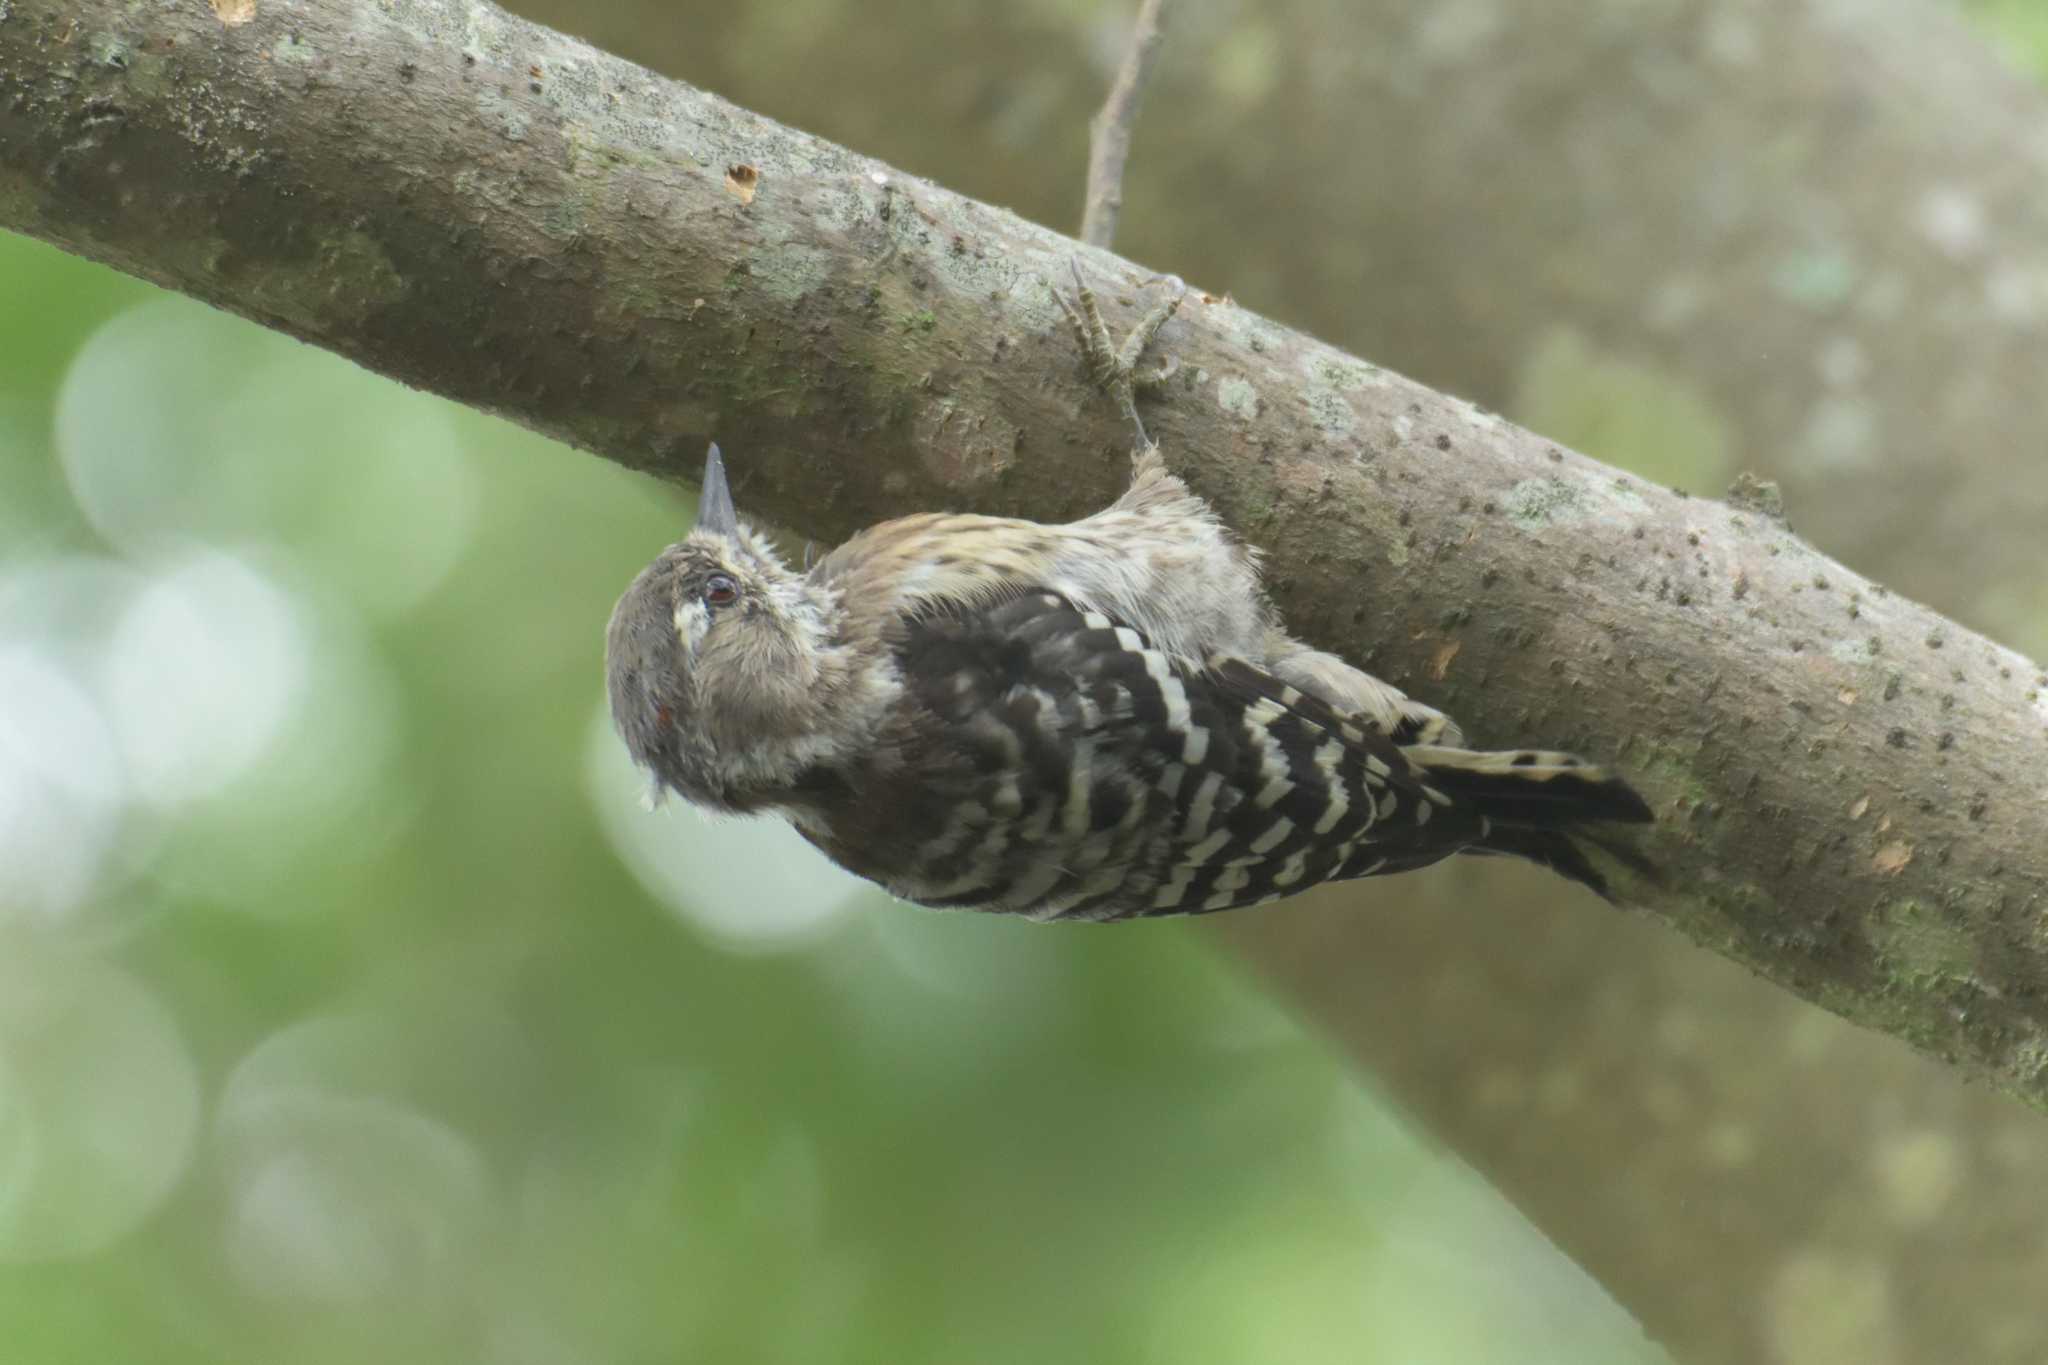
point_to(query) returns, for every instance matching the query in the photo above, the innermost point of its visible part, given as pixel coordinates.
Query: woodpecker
(1094, 721)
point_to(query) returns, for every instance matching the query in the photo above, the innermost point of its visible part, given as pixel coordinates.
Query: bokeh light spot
(202, 671)
(751, 886)
(348, 1200)
(176, 423)
(60, 787)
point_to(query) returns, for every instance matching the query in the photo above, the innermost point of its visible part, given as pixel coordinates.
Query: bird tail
(1536, 803)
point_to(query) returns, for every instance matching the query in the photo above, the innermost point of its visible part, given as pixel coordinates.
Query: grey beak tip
(715, 510)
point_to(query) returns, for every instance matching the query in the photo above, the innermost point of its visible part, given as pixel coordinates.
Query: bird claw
(1149, 381)
(1113, 367)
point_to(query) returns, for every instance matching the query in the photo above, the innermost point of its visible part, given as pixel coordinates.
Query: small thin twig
(1109, 132)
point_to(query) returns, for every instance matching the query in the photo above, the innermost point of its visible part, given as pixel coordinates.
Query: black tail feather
(1537, 805)
(1565, 854)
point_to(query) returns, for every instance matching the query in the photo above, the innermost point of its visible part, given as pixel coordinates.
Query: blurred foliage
(352, 1007)
(1624, 411)
(2018, 26)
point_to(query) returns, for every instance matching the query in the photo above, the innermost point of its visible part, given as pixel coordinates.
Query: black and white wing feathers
(1067, 769)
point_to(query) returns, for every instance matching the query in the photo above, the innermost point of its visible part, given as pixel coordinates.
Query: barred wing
(1070, 770)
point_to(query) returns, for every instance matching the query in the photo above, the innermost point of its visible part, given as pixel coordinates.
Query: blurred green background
(352, 1007)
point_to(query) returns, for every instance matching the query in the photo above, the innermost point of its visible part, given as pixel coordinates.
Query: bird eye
(720, 591)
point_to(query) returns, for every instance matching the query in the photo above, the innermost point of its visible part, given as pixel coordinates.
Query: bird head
(720, 660)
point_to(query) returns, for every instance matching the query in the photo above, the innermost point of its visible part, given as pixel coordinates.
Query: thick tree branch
(1850, 785)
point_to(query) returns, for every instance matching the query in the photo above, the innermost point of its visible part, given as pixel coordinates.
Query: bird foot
(1113, 367)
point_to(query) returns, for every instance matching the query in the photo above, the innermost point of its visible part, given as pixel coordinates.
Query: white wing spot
(1275, 835)
(1258, 722)
(1201, 853)
(1129, 639)
(1203, 807)
(1197, 747)
(1227, 887)
(1171, 894)
(1327, 758)
(1074, 816)
(1170, 689)
(1291, 870)
(1094, 620)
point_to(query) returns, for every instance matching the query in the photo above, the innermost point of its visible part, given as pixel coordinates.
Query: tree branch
(1849, 785)
(1109, 133)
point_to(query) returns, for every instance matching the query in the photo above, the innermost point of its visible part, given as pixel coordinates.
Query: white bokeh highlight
(316, 791)
(349, 1200)
(138, 398)
(61, 788)
(178, 424)
(390, 494)
(339, 1192)
(202, 671)
(748, 885)
(66, 839)
(196, 724)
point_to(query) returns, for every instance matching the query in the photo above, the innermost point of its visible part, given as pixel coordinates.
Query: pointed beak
(715, 511)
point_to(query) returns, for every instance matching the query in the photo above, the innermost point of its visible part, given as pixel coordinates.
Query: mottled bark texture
(486, 209)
